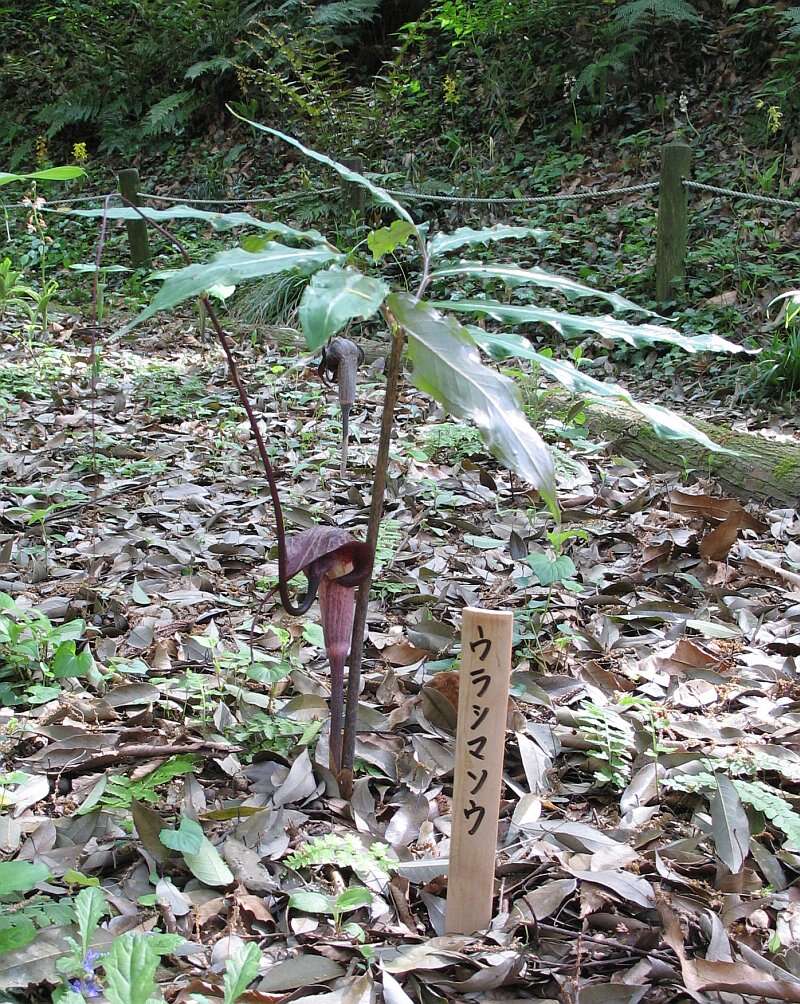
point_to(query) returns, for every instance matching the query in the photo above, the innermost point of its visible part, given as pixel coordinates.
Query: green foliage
(612, 741)
(334, 906)
(761, 796)
(34, 651)
(454, 442)
(121, 790)
(273, 733)
(645, 13)
(344, 851)
(777, 369)
(171, 114)
(240, 971)
(445, 357)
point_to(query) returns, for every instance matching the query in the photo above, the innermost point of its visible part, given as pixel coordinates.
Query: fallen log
(763, 470)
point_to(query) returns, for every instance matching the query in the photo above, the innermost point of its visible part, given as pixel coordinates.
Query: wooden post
(673, 221)
(137, 229)
(480, 743)
(355, 197)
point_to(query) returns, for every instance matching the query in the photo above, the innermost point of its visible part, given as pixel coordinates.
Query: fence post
(354, 196)
(137, 229)
(673, 220)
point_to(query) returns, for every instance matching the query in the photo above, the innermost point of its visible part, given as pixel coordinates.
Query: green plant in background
(273, 733)
(777, 371)
(17, 879)
(34, 654)
(13, 291)
(335, 907)
(118, 791)
(448, 441)
(611, 738)
(344, 851)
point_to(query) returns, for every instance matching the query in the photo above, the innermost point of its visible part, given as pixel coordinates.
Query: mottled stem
(393, 371)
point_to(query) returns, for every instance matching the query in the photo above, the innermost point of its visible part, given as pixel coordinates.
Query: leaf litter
(165, 729)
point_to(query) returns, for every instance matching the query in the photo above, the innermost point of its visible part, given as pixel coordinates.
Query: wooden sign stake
(480, 742)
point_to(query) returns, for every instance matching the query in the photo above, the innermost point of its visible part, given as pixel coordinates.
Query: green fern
(346, 13)
(218, 65)
(763, 797)
(389, 537)
(638, 13)
(791, 18)
(612, 742)
(594, 77)
(170, 114)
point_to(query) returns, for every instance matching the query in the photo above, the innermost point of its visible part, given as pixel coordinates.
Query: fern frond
(169, 114)
(638, 12)
(791, 18)
(217, 65)
(345, 14)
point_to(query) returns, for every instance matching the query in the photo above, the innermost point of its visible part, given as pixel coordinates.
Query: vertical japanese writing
(473, 811)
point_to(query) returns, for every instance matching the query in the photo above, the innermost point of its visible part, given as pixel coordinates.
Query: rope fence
(673, 187)
(525, 200)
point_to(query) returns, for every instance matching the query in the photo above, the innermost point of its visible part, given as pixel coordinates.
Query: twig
(138, 751)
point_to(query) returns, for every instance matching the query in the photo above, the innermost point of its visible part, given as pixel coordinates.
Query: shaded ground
(657, 643)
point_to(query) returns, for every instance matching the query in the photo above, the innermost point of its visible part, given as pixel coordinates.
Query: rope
(525, 200)
(56, 202)
(765, 199)
(238, 202)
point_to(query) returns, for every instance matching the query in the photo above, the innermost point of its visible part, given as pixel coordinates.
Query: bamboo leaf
(605, 325)
(665, 423)
(219, 221)
(334, 297)
(445, 243)
(345, 172)
(447, 366)
(230, 268)
(516, 276)
(50, 174)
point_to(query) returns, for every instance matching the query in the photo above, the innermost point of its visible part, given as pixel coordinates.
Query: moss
(785, 467)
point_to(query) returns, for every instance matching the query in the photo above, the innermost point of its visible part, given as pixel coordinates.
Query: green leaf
(387, 239)
(130, 968)
(219, 221)
(21, 876)
(240, 971)
(16, 932)
(345, 172)
(311, 902)
(334, 297)
(353, 898)
(445, 243)
(513, 275)
(604, 325)
(188, 838)
(50, 174)
(230, 268)
(729, 824)
(665, 423)
(90, 906)
(69, 663)
(447, 365)
(550, 570)
(207, 865)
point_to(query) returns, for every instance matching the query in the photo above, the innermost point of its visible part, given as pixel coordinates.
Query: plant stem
(375, 513)
(291, 608)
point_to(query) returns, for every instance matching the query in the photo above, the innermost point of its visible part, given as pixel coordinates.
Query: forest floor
(164, 727)
(648, 839)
